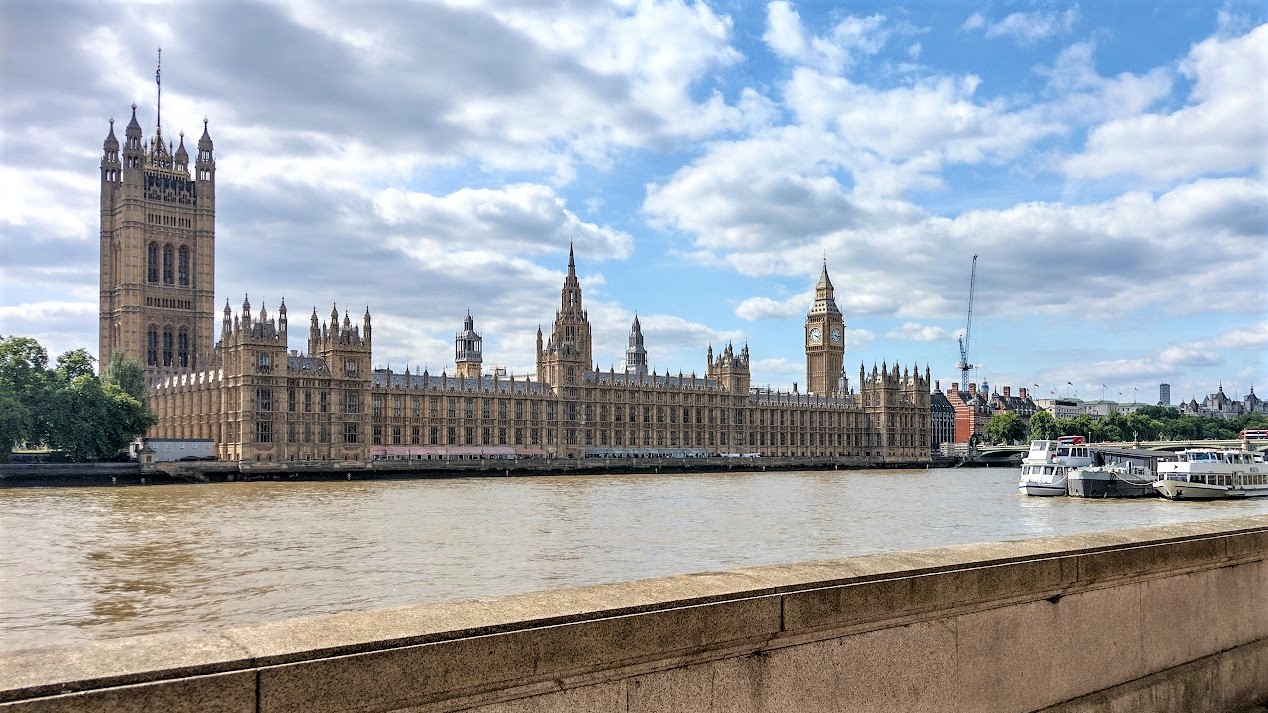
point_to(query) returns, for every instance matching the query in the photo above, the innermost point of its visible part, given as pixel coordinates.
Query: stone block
(415, 674)
(115, 662)
(601, 698)
(886, 599)
(217, 693)
(1148, 559)
(1031, 655)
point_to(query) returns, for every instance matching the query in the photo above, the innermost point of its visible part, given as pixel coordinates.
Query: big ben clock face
(836, 336)
(816, 335)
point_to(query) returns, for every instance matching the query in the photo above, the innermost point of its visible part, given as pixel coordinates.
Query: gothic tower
(731, 370)
(158, 232)
(566, 355)
(636, 353)
(825, 340)
(468, 350)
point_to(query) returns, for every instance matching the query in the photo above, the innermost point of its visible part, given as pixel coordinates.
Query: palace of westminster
(258, 400)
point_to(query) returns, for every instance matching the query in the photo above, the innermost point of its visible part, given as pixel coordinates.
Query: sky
(1105, 161)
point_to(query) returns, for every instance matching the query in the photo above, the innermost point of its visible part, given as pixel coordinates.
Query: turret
(636, 353)
(281, 322)
(365, 326)
(468, 350)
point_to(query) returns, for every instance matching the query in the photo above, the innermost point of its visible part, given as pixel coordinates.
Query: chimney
(937, 386)
(1007, 389)
(972, 388)
(1023, 393)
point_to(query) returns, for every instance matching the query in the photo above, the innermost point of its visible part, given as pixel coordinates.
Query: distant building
(1164, 394)
(1020, 404)
(942, 417)
(972, 411)
(1060, 408)
(1220, 405)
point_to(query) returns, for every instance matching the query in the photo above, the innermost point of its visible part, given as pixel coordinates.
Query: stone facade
(158, 233)
(260, 401)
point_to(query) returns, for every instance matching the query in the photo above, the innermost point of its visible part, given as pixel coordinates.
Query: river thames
(93, 563)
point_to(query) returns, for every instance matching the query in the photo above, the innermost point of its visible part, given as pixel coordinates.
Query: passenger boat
(1045, 468)
(1212, 474)
(1111, 481)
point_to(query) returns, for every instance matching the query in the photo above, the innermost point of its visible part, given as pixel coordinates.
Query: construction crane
(965, 366)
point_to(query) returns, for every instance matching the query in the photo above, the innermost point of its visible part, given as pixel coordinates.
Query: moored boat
(1046, 466)
(1110, 481)
(1213, 474)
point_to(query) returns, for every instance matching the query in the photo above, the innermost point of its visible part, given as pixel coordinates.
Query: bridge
(1002, 453)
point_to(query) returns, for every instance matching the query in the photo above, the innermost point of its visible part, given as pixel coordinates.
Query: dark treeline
(1148, 423)
(66, 406)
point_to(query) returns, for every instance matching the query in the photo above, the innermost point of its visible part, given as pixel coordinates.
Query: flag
(1068, 384)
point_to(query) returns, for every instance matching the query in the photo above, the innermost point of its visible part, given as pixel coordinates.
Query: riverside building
(258, 400)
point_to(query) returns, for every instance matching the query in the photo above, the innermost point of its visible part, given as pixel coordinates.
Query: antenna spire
(158, 82)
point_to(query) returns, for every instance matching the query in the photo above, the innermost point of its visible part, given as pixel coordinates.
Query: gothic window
(351, 404)
(152, 262)
(350, 432)
(350, 367)
(264, 399)
(265, 363)
(167, 264)
(151, 346)
(182, 266)
(264, 432)
(182, 347)
(167, 345)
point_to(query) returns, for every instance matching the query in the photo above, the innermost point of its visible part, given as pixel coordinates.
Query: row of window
(175, 346)
(264, 432)
(473, 436)
(174, 265)
(264, 400)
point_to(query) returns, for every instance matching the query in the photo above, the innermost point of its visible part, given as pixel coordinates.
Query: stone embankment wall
(1170, 618)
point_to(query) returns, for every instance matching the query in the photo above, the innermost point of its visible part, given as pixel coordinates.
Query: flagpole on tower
(158, 82)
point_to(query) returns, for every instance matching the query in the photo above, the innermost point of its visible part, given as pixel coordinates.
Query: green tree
(74, 363)
(1005, 427)
(94, 421)
(15, 421)
(1079, 425)
(128, 374)
(1043, 427)
(25, 379)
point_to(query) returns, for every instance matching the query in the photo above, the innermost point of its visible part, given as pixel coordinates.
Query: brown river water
(94, 563)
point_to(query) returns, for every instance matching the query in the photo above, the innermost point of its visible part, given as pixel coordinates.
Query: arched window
(153, 262)
(167, 265)
(182, 346)
(151, 345)
(167, 345)
(182, 266)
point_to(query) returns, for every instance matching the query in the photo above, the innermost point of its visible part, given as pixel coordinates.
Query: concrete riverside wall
(1166, 618)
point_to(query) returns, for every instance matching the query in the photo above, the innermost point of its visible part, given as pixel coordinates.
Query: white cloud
(787, 37)
(755, 308)
(1221, 129)
(911, 331)
(1025, 28)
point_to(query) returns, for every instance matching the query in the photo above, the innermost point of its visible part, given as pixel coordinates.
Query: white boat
(1045, 468)
(1212, 474)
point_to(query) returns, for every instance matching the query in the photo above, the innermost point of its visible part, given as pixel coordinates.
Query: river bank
(114, 474)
